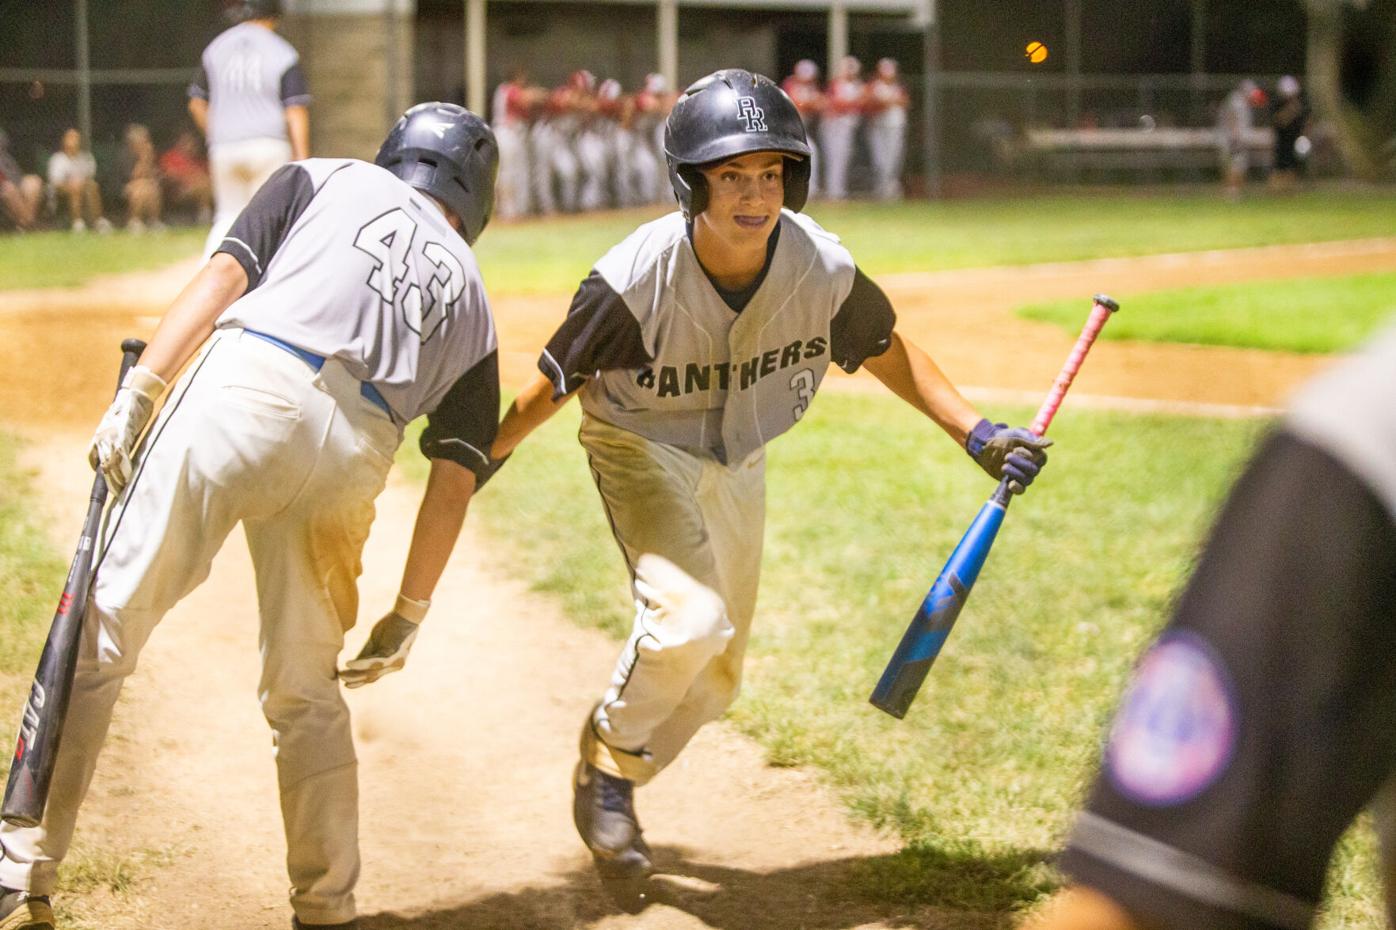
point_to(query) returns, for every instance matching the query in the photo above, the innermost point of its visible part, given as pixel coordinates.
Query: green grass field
(1308, 315)
(31, 577)
(28, 571)
(63, 259)
(551, 256)
(865, 502)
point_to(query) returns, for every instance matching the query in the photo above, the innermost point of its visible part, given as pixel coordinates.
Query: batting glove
(114, 443)
(388, 644)
(1017, 454)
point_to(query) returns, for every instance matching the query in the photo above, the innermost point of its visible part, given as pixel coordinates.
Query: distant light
(1036, 52)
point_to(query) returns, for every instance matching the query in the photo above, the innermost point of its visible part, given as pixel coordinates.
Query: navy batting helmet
(727, 114)
(448, 152)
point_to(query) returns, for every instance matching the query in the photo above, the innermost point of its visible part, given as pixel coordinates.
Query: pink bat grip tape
(1100, 313)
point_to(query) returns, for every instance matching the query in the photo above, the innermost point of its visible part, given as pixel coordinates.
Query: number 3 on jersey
(388, 240)
(803, 386)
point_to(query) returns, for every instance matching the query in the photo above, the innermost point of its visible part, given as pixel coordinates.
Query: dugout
(100, 65)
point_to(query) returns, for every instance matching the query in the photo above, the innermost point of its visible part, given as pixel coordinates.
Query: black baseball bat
(41, 727)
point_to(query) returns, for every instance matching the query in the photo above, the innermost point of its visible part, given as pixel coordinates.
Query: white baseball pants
(511, 188)
(837, 135)
(236, 170)
(251, 434)
(887, 145)
(682, 665)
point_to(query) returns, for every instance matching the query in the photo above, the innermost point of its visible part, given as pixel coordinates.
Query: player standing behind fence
(802, 87)
(344, 303)
(1263, 719)
(250, 101)
(886, 104)
(843, 111)
(509, 120)
(693, 343)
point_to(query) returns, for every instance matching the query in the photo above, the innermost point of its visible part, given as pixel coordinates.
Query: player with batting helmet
(344, 302)
(694, 342)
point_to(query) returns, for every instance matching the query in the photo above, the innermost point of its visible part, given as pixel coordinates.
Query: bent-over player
(344, 302)
(693, 343)
(1263, 719)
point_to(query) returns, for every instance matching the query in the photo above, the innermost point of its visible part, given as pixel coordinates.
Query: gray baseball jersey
(249, 75)
(345, 260)
(666, 354)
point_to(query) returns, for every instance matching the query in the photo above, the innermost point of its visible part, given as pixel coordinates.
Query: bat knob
(133, 346)
(1107, 302)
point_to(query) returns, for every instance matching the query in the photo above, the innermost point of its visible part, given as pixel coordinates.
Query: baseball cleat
(20, 910)
(603, 807)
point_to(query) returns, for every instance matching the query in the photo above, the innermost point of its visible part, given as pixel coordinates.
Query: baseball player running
(344, 302)
(251, 102)
(693, 343)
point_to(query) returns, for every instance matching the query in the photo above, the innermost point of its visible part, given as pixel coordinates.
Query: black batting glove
(1015, 453)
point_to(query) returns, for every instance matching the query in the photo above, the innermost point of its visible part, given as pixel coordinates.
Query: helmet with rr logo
(728, 114)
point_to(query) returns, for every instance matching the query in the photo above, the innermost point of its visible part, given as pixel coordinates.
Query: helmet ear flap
(797, 173)
(690, 189)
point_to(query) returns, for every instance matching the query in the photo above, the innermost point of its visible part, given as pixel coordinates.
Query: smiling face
(745, 195)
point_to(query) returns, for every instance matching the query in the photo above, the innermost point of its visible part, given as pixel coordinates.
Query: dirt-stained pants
(682, 665)
(250, 434)
(236, 170)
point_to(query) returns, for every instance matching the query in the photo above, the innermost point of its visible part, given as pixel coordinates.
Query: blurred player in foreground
(1264, 717)
(344, 303)
(694, 342)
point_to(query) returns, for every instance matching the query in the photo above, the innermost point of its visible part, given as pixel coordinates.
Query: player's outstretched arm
(1002, 452)
(913, 376)
(185, 326)
(190, 319)
(439, 519)
(198, 112)
(530, 410)
(298, 130)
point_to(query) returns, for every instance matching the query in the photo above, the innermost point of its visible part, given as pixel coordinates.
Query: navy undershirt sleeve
(599, 334)
(862, 327)
(463, 426)
(294, 89)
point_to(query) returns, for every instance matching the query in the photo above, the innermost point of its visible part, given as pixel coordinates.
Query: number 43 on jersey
(388, 240)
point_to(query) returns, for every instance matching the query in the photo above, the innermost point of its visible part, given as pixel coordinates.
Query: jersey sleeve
(261, 228)
(599, 334)
(1263, 720)
(295, 92)
(463, 426)
(199, 86)
(862, 327)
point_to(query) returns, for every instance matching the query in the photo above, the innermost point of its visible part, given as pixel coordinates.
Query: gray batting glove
(388, 644)
(113, 445)
(1016, 454)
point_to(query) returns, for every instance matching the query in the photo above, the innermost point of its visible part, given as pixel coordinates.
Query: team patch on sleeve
(1177, 725)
